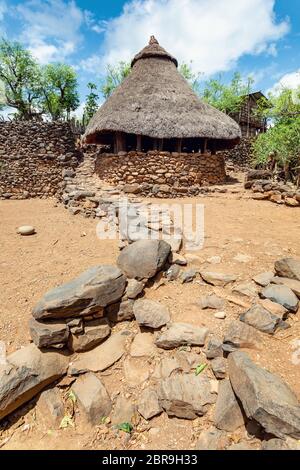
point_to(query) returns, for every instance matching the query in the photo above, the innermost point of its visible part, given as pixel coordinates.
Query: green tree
(228, 98)
(59, 91)
(114, 77)
(91, 104)
(20, 76)
(280, 145)
(191, 77)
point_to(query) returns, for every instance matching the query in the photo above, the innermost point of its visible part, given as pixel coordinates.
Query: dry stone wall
(241, 155)
(157, 173)
(34, 157)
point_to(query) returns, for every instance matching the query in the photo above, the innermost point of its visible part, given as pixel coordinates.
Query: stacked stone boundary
(34, 156)
(155, 172)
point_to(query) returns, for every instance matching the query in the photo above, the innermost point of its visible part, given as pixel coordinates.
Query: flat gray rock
(87, 294)
(288, 267)
(228, 413)
(92, 398)
(148, 405)
(188, 276)
(247, 289)
(122, 311)
(263, 279)
(143, 345)
(264, 396)
(151, 314)
(102, 356)
(27, 372)
(293, 284)
(212, 439)
(134, 288)
(47, 335)
(95, 332)
(214, 348)
(186, 396)
(218, 366)
(173, 272)
(217, 279)
(240, 335)
(50, 408)
(283, 295)
(124, 411)
(144, 258)
(211, 301)
(167, 367)
(274, 444)
(180, 334)
(260, 318)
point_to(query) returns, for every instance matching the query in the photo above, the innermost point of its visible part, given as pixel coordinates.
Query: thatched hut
(156, 109)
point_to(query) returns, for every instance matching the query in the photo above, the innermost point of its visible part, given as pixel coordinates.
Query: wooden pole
(160, 144)
(205, 146)
(120, 142)
(138, 143)
(155, 144)
(213, 147)
(178, 145)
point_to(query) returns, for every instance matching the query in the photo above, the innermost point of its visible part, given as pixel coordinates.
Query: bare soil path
(65, 245)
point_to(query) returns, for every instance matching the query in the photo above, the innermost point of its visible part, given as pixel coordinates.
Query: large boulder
(27, 372)
(186, 396)
(144, 258)
(288, 267)
(87, 294)
(181, 334)
(150, 313)
(264, 396)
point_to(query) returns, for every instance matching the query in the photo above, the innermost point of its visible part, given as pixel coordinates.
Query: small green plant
(200, 369)
(67, 422)
(125, 427)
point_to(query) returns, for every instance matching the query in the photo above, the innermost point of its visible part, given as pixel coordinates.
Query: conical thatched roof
(156, 101)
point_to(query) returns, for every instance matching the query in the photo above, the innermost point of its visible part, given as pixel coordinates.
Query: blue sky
(258, 37)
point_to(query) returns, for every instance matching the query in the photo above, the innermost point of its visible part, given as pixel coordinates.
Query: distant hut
(156, 109)
(250, 122)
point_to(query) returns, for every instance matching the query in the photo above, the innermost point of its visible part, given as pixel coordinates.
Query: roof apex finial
(153, 40)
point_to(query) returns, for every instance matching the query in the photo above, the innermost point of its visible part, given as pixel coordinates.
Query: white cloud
(289, 80)
(93, 24)
(214, 35)
(3, 9)
(51, 28)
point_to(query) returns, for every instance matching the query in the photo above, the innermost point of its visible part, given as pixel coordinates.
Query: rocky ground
(242, 240)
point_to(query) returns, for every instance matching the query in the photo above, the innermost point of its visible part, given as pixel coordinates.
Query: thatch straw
(156, 101)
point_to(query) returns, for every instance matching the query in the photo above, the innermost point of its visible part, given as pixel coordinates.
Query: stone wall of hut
(157, 173)
(34, 157)
(241, 155)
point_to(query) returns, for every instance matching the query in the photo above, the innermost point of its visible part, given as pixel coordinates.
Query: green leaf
(67, 422)
(200, 369)
(125, 427)
(72, 396)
